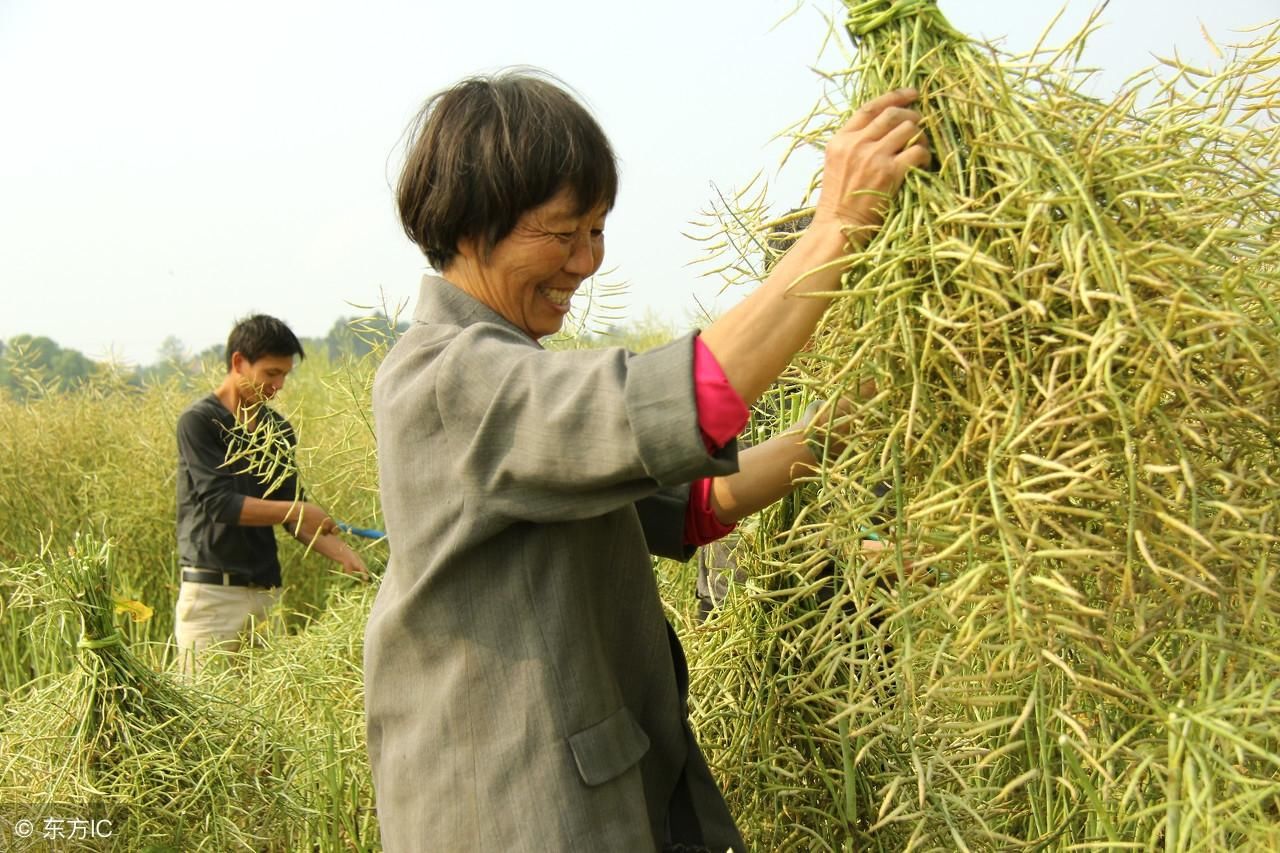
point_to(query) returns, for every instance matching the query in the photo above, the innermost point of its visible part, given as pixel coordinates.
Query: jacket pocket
(607, 749)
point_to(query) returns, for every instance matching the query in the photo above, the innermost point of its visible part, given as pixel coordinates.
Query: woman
(523, 689)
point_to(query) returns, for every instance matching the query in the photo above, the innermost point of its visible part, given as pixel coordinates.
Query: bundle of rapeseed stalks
(170, 766)
(1073, 637)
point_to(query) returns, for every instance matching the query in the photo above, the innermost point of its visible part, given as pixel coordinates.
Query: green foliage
(34, 366)
(265, 752)
(647, 332)
(355, 336)
(38, 366)
(173, 765)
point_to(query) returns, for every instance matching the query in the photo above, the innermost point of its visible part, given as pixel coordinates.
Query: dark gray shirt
(211, 492)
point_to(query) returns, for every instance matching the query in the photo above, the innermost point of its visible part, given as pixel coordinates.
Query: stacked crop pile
(1073, 637)
(265, 752)
(113, 739)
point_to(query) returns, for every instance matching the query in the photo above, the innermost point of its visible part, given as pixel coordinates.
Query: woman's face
(532, 273)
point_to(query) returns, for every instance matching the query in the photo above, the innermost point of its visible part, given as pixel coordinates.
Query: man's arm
(303, 519)
(309, 524)
(202, 451)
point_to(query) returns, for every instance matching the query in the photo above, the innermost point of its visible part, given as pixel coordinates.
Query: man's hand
(353, 565)
(307, 522)
(332, 546)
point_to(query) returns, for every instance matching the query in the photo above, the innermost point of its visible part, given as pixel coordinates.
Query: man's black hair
(259, 335)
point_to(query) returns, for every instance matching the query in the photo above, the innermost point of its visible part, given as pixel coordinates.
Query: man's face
(260, 380)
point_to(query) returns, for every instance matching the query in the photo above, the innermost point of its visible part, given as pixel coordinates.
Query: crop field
(1069, 641)
(265, 754)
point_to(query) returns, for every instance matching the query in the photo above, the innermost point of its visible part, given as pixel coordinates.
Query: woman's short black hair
(489, 148)
(259, 335)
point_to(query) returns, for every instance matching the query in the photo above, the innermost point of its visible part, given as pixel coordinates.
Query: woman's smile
(558, 297)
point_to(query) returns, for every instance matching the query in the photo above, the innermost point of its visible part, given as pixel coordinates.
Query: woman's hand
(832, 422)
(867, 161)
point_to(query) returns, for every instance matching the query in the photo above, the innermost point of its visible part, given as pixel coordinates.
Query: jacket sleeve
(203, 453)
(549, 436)
(663, 517)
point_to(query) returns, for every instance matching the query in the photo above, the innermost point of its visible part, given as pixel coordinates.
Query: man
(236, 481)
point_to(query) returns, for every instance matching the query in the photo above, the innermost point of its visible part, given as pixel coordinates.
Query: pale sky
(167, 167)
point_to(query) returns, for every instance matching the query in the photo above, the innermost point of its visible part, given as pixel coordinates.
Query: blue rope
(364, 532)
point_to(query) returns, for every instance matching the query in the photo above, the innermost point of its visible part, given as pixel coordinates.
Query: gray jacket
(523, 689)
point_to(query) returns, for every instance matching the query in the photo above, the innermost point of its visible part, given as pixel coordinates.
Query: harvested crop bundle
(1074, 326)
(163, 764)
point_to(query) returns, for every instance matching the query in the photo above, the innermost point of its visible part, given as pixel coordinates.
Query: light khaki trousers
(211, 617)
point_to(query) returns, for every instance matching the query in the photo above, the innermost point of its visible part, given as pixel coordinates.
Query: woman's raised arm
(865, 164)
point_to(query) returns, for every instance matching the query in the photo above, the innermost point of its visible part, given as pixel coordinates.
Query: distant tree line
(35, 364)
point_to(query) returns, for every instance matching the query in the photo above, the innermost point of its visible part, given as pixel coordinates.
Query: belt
(219, 578)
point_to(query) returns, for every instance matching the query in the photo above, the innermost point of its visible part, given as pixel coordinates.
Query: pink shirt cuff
(721, 416)
(700, 523)
(721, 412)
